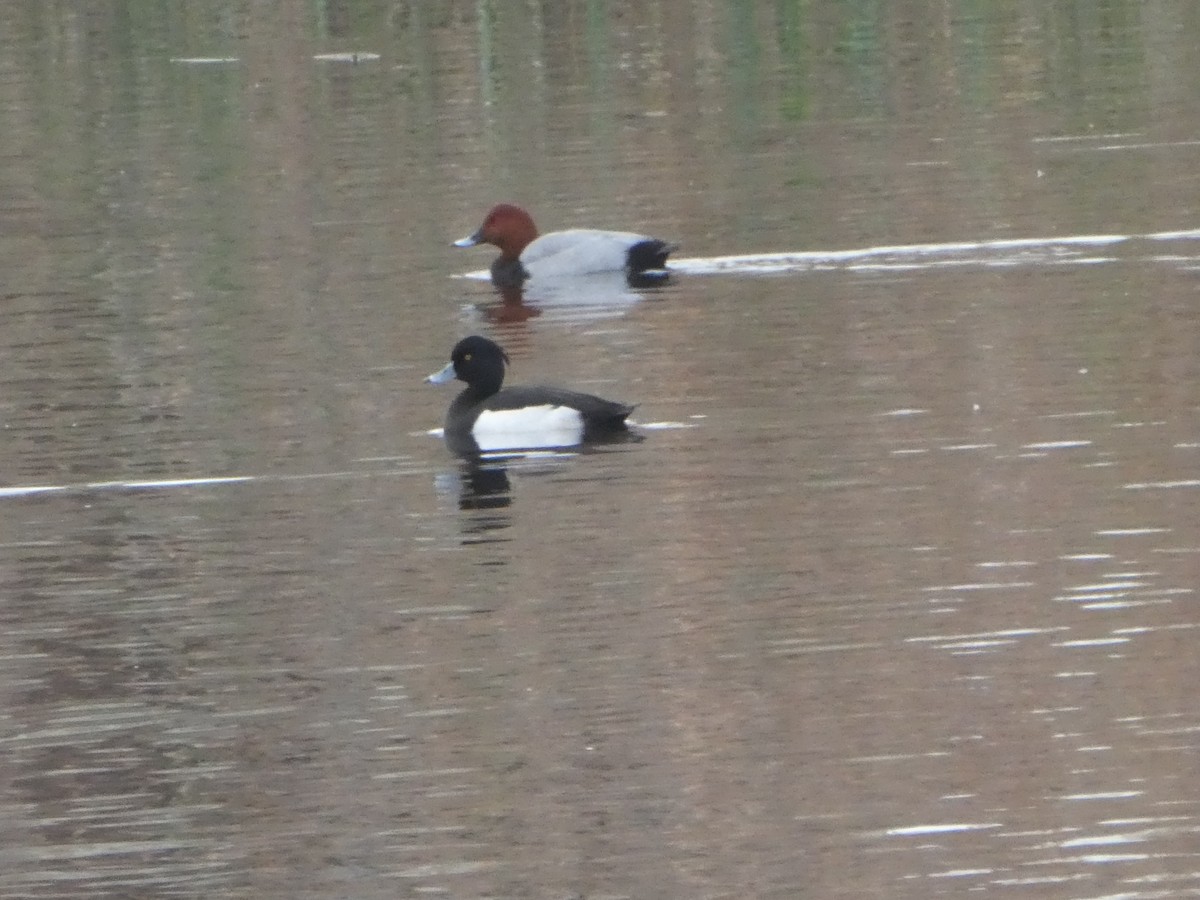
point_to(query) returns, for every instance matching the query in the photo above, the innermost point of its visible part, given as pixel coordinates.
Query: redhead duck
(578, 251)
(484, 417)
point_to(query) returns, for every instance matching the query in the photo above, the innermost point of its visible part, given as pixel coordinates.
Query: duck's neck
(471, 396)
(508, 273)
(519, 233)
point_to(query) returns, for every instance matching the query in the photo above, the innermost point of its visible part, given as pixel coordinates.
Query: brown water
(897, 596)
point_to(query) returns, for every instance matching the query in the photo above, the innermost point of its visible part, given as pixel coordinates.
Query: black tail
(610, 427)
(648, 255)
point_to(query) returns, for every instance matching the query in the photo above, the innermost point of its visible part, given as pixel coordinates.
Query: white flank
(578, 251)
(528, 428)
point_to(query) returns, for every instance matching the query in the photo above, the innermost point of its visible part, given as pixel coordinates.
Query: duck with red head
(563, 254)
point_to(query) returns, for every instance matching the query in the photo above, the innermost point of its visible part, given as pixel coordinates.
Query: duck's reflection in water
(582, 298)
(509, 307)
(482, 491)
(484, 487)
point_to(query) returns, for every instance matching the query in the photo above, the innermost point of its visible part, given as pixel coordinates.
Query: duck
(563, 254)
(483, 417)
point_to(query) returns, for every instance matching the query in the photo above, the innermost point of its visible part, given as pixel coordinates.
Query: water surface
(896, 597)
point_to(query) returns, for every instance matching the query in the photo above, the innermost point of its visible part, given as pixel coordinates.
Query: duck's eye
(466, 357)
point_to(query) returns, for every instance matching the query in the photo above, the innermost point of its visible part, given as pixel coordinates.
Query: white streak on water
(1055, 445)
(1105, 840)
(1146, 629)
(19, 491)
(665, 426)
(1120, 604)
(912, 254)
(978, 645)
(1145, 820)
(947, 828)
(1190, 234)
(899, 757)
(1148, 485)
(1100, 795)
(106, 848)
(31, 490)
(1148, 145)
(357, 56)
(1105, 586)
(1014, 632)
(1086, 414)
(1110, 136)
(979, 586)
(799, 646)
(960, 873)
(168, 483)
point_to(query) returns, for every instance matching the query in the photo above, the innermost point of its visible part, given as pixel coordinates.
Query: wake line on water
(34, 489)
(1070, 250)
(158, 484)
(1075, 249)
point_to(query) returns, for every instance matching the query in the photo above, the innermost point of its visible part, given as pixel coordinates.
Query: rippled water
(896, 596)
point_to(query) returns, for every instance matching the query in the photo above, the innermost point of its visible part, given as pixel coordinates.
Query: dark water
(897, 596)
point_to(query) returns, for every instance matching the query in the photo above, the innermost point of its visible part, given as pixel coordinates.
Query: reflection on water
(483, 490)
(579, 300)
(484, 487)
(907, 609)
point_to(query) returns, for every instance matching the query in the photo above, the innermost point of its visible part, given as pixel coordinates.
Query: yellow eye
(467, 357)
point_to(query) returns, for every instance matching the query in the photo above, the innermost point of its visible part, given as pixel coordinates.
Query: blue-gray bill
(441, 377)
